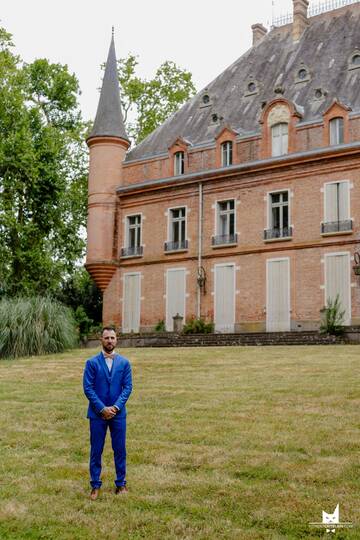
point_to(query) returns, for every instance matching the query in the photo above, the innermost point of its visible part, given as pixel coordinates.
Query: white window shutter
(337, 271)
(278, 301)
(131, 322)
(175, 300)
(331, 211)
(224, 298)
(344, 201)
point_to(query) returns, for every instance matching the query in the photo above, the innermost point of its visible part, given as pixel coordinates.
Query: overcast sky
(203, 36)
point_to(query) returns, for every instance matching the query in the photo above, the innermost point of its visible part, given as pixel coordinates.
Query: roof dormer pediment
(336, 109)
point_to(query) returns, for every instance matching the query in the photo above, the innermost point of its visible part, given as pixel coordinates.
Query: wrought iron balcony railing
(133, 251)
(223, 239)
(176, 246)
(273, 234)
(336, 226)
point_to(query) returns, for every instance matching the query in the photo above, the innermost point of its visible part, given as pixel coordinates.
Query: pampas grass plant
(35, 326)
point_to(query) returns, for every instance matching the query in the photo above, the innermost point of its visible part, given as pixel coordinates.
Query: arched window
(226, 153)
(336, 126)
(178, 163)
(279, 139)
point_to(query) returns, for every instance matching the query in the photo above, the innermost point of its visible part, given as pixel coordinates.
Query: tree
(81, 294)
(43, 163)
(151, 102)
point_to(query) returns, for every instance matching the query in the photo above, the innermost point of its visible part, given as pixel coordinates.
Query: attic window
(354, 60)
(206, 99)
(302, 74)
(252, 87)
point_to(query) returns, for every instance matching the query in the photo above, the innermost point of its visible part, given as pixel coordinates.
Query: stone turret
(108, 143)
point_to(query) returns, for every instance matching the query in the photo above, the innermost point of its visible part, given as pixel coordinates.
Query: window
(226, 153)
(279, 139)
(279, 218)
(177, 230)
(337, 208)
(132, 237)
(225, 223)
(179, 163)
(336, 126)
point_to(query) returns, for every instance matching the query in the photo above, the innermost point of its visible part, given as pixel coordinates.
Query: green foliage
(198, 326)
(35, 325)
(42, 174)
(81, 294)
(333, 317)
(160, 326)
(151, 102)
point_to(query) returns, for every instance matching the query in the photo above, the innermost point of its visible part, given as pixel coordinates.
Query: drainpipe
(198, 314)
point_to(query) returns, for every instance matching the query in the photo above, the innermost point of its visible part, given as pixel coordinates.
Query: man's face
(108, 340)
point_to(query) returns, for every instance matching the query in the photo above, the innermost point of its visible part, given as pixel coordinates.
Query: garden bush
(333, 318)
(198, 326)
(35, 325)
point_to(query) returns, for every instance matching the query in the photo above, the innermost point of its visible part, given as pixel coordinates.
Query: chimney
(259, 31)
(300, 21)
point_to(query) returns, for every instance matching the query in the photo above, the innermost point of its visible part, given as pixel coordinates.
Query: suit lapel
(104, 367)
(115, 364)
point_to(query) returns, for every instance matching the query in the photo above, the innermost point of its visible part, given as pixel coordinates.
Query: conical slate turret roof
(109, 120)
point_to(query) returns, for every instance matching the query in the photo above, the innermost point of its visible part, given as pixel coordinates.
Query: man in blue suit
(107, 385)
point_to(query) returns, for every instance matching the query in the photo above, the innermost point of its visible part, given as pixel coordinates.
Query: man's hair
(109, 328)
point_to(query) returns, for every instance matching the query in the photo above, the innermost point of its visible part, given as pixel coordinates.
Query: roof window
(205, 99)
(354, 60)
(302, 74)
(252, 87)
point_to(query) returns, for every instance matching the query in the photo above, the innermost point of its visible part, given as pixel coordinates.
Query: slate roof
(109, 120)
(324, 51)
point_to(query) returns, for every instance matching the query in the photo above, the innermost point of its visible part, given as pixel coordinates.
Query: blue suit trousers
(98, 429)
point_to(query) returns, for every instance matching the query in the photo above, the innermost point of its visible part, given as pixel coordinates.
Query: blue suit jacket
(104, 388)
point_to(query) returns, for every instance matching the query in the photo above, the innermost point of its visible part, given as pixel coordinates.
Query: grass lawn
(223, 443)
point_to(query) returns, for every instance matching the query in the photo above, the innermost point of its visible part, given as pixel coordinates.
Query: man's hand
(109, 413)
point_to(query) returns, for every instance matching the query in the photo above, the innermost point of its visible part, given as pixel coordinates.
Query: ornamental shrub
(198, 326)
(333, 318)
(35, 326)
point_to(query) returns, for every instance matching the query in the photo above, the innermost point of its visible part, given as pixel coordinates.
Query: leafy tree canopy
(43, 163)
(151, 102)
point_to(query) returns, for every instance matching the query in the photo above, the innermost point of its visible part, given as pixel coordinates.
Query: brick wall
(305, 250)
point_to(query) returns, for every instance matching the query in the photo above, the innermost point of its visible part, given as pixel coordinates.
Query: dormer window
(354, 60)
(179, 159)
(279, 139)
(226, 153)
(336, 126)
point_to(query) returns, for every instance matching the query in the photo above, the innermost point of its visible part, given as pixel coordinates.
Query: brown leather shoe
(94, 494)
(121, 489)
